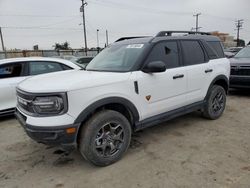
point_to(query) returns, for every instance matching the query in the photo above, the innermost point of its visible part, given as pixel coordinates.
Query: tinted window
(65, 67)
(192, 52)
(218, 48)
(166, 52)
(11, 70)
(84, 60)
(210, 51)
(40, 67)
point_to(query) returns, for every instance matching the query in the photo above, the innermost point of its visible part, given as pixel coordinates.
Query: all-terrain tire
(215, 102)
(105, 137)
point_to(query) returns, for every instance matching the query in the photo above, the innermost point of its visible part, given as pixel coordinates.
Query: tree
(241, 42)
(63, 46)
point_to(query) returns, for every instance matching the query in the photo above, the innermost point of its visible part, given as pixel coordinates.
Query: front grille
(240, 70)
(24, 101)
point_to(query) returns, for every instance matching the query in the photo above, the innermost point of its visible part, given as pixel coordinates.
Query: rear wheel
(105, 138)
(215, 102)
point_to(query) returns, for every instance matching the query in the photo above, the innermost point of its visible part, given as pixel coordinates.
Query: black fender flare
(105, 101)
(217, 78)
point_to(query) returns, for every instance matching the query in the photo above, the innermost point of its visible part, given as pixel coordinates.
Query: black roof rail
(127, 38)
(169, 33)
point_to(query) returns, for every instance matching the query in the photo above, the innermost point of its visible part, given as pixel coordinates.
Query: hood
(70, 80)
(240, 61)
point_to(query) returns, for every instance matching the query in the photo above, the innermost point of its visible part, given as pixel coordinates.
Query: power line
(113, 4)
(37, 16)
(42, 28)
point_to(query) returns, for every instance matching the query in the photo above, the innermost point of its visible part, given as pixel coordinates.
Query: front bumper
(239, 81)
(52, 135)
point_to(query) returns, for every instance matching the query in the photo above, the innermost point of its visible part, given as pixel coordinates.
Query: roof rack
(127, 38)
(169, 33)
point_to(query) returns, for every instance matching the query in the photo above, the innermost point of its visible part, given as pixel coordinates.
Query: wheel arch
(122, 105)
(220, 80)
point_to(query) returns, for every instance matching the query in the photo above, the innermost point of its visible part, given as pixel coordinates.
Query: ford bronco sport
(132, 84)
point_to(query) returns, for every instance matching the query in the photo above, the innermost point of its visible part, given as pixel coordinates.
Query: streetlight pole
(107, 38)
(97, 33)
(1, 36)
(82, 9)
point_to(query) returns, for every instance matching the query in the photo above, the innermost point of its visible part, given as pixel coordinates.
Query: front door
(166, 91)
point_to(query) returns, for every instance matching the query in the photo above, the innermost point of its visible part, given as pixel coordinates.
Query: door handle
(208, 70)
(178, 76)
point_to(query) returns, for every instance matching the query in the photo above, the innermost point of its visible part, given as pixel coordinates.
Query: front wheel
(105, 138)
(215, 102)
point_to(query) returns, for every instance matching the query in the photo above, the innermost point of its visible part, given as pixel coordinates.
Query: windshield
(116, 58)
(244, 53)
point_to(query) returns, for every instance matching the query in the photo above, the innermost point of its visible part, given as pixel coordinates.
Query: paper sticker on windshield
(135, 46)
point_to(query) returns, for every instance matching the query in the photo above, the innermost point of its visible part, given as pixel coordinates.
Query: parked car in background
(67, 57)
(234, 49)
(15, 70)
(229, 54)
(83, 61)
(240, 69)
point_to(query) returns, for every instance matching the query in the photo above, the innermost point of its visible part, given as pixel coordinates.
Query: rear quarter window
(216, 45)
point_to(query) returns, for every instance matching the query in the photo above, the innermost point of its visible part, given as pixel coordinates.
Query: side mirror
(154, 67)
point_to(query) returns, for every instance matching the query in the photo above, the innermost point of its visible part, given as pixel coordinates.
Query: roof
(63, 61)
(190, 37)
(161, 36)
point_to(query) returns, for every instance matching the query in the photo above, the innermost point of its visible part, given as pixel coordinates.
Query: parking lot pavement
(186, 152)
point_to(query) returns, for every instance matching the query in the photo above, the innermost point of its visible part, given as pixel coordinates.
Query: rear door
(198, 69)
(11, 75)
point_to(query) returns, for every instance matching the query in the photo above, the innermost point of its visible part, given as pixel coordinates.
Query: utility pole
(107, 38)
(82, 9)
(197, 22)
(1, 36)
(97, 34)
(238, 24)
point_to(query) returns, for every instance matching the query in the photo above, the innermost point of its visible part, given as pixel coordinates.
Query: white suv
(130, 85)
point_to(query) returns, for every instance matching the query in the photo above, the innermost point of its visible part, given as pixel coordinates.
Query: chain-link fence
(47, 53)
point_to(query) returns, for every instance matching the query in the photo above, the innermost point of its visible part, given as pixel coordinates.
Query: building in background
(227, 40)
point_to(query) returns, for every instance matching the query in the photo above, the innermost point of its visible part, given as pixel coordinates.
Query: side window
(65, 67)
(11, 70)
(218, 48)
(41, 67)
(166, 52)
(210, 51)
(193, 53)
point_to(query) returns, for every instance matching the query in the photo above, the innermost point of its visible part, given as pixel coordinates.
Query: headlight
(49, 105)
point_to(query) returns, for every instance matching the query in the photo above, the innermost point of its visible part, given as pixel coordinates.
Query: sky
(26, 23)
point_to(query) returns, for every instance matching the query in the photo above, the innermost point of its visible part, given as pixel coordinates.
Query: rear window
(217, 47)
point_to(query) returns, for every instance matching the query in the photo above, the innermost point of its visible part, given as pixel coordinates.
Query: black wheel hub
(218, 102)
(109, 139)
